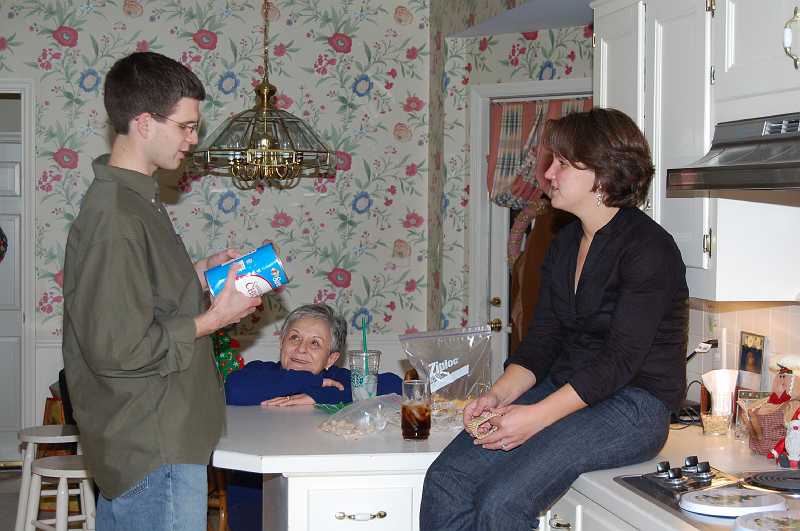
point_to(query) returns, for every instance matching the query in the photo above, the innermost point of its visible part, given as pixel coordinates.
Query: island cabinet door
(365, 503)
(576, 512)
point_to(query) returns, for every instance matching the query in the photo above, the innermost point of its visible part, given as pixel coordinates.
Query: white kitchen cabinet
(737, 246)
(618, 71)
(754, 77)
(576, 512)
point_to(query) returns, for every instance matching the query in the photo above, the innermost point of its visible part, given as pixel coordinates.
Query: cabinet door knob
(495, 301)
(558, 523)
(360, 517)
(495, 324)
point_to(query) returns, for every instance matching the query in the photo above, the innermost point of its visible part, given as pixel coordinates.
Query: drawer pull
(360, 517)
(558, 523)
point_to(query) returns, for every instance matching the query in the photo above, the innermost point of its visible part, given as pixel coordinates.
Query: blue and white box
(263, 271)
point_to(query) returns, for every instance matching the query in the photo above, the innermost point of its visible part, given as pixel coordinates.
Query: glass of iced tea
(415, 412)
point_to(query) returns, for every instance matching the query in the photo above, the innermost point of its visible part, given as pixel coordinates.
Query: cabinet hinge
(707, 243)
(711, 6)
(594, 40)
(712, 77)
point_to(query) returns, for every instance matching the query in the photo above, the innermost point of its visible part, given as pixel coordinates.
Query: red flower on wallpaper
(281, 220)
(3, 44)
(483, 44)
(58, 278)
(413, 220)
(571, 55)
(530, 35)
(411, 286)
(340, 42)
(588, 31)
(411, 170)
(142, 46)
(282, 101)
(413, 104)
(280, 50)
(66, 158)
(392, 72)
(340, 277)
(412, 53)
(65, 36)
(343, 161)
(391, 306)
(207, 40)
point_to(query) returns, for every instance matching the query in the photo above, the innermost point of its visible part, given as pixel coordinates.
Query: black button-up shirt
(144, 390)
(626, 324)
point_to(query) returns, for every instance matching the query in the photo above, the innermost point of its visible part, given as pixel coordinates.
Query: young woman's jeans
(170, 498)
(468, 487)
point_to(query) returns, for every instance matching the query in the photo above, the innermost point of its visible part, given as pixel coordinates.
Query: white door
(489, 224)
(11, 210)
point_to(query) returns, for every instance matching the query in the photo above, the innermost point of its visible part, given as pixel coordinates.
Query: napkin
(721, 383)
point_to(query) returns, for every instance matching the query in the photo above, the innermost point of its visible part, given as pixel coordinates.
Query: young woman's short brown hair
(608, 142)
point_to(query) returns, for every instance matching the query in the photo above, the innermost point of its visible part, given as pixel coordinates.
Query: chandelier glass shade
(264, 145)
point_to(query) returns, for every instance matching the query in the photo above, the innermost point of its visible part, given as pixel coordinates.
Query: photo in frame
(751, 361)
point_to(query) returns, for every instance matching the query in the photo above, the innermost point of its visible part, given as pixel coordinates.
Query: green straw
(364, 338)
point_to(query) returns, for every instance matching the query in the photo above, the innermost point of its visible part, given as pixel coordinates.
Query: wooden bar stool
(65, 468)
(31, 438)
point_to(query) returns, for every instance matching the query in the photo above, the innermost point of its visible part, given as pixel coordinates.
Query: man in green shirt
(147, 396)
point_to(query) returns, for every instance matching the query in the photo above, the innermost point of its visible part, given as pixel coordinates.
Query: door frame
(485, 244)
(26, 89)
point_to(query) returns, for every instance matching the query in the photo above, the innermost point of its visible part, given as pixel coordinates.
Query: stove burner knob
(703, 467)
(690, 461)
(662, 467)
(675, 473)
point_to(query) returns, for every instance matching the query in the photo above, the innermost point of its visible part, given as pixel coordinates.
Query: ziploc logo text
(440, 376)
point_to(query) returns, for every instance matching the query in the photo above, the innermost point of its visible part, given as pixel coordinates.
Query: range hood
(758, 153)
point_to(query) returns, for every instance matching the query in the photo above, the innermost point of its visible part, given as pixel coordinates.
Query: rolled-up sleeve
(113, 310)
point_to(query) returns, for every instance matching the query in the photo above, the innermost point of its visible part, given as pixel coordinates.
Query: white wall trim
(26, 89)
(479, 208)
(10, 137)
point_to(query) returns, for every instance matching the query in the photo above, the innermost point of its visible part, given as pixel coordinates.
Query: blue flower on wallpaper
(228, 202)
(362, 202)
(445, 321)
(548, 70)
(445, 202)
(228, 83)
(445, 81)
(362, 86)
(90, 80)
(361, 314)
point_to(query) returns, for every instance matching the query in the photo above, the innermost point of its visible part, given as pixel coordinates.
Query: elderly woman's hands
(300, 399)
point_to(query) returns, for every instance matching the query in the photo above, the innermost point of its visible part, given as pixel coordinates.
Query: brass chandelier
(264, 145)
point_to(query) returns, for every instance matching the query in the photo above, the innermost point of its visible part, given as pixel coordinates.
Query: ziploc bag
(458, 365)
(364, 417)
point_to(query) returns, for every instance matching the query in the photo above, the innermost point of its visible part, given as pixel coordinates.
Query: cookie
(474, 425)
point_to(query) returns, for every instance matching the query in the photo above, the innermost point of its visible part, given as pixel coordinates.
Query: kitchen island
(316, 480)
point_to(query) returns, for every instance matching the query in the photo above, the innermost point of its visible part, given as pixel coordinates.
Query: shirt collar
(616, 222)
(144, 185)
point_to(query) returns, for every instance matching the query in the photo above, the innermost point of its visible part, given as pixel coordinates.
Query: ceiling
(534, 15)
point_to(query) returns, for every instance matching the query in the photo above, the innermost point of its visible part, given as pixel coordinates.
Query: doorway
(489, 291)
(17, 186)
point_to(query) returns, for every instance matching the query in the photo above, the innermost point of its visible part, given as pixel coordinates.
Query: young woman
(592, 384)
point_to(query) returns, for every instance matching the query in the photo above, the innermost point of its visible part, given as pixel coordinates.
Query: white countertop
(288, 441)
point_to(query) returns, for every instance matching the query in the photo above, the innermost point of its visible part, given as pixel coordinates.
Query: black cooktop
(786, 482)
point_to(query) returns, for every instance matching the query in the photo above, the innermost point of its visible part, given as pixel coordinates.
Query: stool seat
(61, 466)
(55, 433)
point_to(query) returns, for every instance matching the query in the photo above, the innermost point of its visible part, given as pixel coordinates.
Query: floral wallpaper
(456, 64)
(383, 241)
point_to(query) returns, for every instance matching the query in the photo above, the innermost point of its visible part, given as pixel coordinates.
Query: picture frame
(751, 361)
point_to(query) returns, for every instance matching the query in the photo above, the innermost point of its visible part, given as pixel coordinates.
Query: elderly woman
(592, 384)
(312, 339)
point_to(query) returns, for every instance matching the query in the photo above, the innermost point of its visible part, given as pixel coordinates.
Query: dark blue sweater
(261, 380)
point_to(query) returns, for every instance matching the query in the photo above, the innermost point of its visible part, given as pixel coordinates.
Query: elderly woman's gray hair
(325, 313)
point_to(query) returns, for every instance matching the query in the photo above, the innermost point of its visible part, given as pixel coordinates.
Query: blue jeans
(170, 498)
(470, 488)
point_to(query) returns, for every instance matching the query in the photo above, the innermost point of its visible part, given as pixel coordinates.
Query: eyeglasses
(189, 128)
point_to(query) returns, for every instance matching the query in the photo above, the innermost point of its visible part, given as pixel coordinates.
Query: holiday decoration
(226, 353)
(787, 451)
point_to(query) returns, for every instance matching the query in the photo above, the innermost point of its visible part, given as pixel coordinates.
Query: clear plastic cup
(363, 373)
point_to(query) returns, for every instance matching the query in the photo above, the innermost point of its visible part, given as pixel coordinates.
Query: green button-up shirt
(144, 390)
